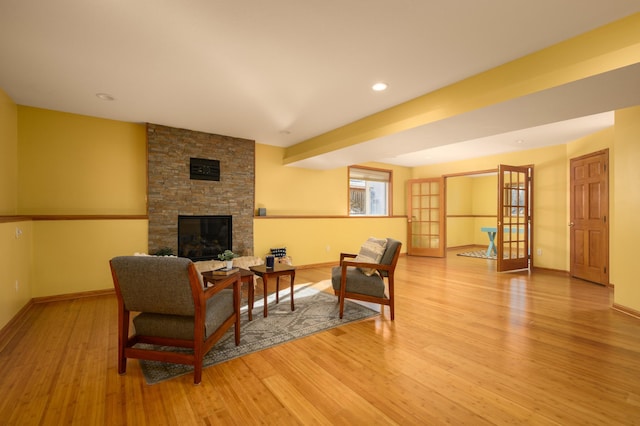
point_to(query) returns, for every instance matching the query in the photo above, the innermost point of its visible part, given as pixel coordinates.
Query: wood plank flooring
(468, 346)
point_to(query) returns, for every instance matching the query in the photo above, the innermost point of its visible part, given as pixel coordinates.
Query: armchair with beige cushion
(173, 309)
(362, 276)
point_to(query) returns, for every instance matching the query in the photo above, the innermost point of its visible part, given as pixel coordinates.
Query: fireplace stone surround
(171, 192)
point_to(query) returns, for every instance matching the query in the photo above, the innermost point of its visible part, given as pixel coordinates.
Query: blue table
(491, 232)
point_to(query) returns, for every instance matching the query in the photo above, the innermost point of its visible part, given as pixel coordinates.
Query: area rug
(477, 253)
(315, 311)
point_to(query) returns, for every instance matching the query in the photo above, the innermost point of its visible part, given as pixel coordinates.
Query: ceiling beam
(604, 49)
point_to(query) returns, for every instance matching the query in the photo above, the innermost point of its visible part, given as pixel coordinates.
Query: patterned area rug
(315, 311)
(477, 253)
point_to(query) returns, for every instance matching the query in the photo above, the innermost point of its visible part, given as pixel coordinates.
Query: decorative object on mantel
(228, 257)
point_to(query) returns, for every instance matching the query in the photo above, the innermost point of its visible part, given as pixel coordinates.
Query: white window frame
(369, 201)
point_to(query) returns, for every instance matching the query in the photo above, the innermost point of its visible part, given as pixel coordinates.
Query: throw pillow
(279, 252)
(371, 252)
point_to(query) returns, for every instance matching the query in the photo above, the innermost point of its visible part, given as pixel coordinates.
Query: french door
(515, 217)
(426, 222)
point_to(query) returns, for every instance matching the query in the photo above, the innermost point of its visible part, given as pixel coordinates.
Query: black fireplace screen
(204, 237)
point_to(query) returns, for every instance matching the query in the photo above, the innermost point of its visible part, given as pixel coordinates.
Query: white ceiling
(283, 71)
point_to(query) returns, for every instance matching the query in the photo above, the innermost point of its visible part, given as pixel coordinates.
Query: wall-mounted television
(204, 237)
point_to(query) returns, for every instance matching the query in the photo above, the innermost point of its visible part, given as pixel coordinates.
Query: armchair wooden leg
(123, 337)
(197, 372)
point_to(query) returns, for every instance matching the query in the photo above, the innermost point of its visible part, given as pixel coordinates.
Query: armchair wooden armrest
(346, 255)
(378, 266)
(228, 281)
(201, 295)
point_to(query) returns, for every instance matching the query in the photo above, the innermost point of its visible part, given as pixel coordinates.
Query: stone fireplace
(172, 192)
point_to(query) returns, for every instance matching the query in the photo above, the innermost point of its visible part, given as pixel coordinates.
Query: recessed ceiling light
(105, 96)
(379, 87)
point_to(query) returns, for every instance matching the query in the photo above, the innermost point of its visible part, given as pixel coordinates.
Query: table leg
(278, 289)
(264, 284)
(236, 296)
(251, 291)
(293, 277)
(492, 246)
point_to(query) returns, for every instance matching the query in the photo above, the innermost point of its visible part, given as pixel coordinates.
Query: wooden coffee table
(245, 277)
(276, 272)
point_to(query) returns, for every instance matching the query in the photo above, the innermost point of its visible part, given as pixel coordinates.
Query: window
(515, 199)
(369, 192)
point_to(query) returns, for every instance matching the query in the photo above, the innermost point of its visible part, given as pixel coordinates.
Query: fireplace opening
(204, 237)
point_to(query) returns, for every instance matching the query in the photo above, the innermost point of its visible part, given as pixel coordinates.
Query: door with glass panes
(426, 209)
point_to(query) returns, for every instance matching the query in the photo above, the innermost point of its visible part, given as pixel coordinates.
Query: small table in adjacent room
(245, 277)
(491, 232)
(276, 272)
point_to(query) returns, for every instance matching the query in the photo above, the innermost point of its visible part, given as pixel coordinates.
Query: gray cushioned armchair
(350, 282)
(173, 309)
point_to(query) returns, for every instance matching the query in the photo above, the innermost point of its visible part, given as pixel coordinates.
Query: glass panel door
(426, 231)
(514, 217)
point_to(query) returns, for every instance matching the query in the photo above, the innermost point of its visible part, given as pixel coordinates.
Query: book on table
(225, 271)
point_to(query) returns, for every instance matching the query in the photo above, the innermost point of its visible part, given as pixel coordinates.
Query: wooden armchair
(173, 309)
(349, 281)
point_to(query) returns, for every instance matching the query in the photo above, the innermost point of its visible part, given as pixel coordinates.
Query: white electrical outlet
(17, 285)
(328, 248)
(539, 252)
(18, 233)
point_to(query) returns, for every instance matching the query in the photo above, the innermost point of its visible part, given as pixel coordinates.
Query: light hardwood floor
(468, 346)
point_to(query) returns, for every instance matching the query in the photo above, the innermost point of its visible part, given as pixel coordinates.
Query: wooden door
(589, 214)
(515, 217)
(426, 209)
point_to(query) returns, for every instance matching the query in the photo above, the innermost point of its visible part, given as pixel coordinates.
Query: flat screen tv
(204, 237)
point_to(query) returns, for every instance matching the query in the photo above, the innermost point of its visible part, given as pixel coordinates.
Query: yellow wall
(459, 204)
(484, 198)
(312, 240)
(8, 155)
(291, 191)
(286, 190)
(474, 198)
(15, 249)
(15, 268)
(74, 164)
(295, 191)
(72, 256)
(625, 226)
